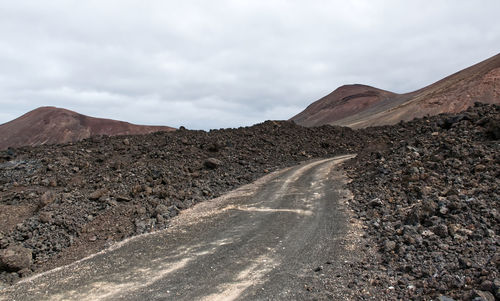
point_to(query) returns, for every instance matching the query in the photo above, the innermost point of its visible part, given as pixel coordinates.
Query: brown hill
(360, 106)
(345, 101)
(50, 125)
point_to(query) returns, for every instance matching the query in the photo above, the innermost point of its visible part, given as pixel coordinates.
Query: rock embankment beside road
(429, 198)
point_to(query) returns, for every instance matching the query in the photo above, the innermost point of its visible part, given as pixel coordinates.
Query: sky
(217, 64)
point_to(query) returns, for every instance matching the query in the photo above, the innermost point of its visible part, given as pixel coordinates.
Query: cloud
(211, 64)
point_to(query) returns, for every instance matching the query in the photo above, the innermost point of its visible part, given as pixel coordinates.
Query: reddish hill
(50, 125)
(360, 106)
(345, 101)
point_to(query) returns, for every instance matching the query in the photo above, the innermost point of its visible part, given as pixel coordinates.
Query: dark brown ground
(273, 239)
(425, 193)
(429, 199)
(102, 190)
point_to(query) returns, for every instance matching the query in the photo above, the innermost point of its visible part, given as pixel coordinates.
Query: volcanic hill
(359, 106)
(51, 125)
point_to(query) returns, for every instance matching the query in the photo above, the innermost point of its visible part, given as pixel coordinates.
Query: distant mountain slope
(50, 125)
(345, 101)
(360, 106)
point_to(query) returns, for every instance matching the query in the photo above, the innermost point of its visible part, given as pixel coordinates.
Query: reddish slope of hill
(50, 125)
(349, 105)
(344, 101)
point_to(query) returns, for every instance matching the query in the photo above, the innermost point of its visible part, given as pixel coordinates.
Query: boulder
(15, 258)
(46, 217)
(97, 194)
(47, 198)
(161, 210)
(212, 163)
(440, 230)
(493, 129)
(483, 296)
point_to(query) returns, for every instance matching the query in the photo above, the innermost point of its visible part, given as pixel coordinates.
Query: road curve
(260, 241)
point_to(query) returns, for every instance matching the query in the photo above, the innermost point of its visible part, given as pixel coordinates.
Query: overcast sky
(212, 64)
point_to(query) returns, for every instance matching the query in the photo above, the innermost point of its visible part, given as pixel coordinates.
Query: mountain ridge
(452, 94)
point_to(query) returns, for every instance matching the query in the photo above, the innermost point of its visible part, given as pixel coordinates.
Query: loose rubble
(429, 198)
(426, 193)
(64, 202)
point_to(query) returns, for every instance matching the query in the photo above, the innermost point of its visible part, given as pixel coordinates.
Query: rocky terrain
(50, 125)
(429, 200)
(360, 106)
(425, 194)
(61, 203)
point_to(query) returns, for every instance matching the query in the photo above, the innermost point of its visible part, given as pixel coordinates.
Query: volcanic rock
(212, 163)
(409, 184)
(46, 217)
(15, 258)
(440, 230)
(97, 194)
(483, 296)
(493, 129)
(444, 210)
(47, 198)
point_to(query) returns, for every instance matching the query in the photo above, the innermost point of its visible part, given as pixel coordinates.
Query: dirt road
(262, 241)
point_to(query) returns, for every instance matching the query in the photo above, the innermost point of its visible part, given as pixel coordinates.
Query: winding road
(262, 241)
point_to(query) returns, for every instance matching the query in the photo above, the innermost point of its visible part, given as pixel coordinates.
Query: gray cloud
(212, 64)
